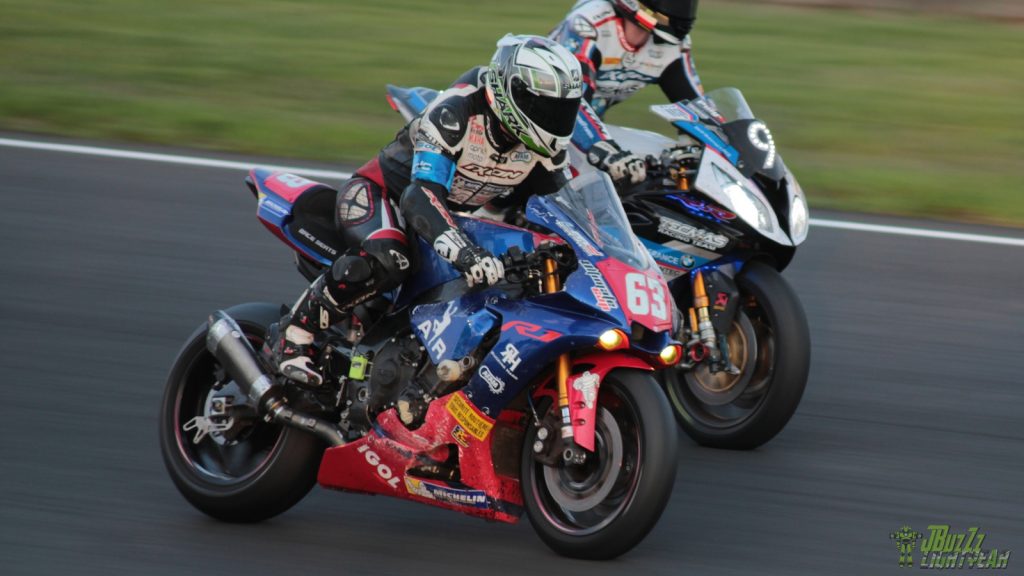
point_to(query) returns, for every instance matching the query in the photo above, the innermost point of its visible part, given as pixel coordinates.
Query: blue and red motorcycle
(536, 394)
(722, 215)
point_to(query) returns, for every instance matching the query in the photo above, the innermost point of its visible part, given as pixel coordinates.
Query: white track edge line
(235, 165)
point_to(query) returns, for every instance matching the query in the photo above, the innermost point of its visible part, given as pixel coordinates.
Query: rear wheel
(604, 507)
(250, 471)
(770, 344)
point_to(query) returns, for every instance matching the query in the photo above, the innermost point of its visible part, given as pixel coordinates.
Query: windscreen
(591, 202)
(748, 135)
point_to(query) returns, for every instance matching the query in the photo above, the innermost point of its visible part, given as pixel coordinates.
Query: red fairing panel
(380, 462)
(584, 388)
(287, 186)
(644, 295)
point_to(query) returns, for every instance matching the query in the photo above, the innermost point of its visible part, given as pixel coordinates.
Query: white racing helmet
(534, 87)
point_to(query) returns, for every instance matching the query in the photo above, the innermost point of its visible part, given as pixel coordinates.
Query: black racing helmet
(669, 20)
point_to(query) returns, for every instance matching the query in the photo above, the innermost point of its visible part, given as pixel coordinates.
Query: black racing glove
(621, 165)
(479, 265)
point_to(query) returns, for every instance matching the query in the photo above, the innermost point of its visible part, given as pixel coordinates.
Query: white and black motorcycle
(722, 216)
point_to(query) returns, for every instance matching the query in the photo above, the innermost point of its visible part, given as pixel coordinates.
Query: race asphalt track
(913, 413)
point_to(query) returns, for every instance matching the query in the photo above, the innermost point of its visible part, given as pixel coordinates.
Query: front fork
(552, 285)
(715, 302)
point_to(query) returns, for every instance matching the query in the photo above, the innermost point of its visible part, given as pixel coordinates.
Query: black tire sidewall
(659, 441)
(792, 358)
(286, 478)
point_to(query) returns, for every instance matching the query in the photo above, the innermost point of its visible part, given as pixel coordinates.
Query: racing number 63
(645, 295)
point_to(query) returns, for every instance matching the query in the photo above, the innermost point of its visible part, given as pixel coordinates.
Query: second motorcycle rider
(498, 133)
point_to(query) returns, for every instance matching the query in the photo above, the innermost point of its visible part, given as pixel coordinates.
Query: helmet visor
(556, 116)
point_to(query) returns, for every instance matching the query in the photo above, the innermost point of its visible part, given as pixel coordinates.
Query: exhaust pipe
(226, 341)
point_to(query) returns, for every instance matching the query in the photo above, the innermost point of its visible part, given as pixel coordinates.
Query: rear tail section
(299, 212)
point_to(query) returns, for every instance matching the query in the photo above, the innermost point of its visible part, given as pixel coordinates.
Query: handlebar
(528, 267)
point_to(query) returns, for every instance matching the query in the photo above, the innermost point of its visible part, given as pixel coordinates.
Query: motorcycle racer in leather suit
(624, 45)
(497, 134)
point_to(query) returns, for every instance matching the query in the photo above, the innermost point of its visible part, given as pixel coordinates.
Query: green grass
(874, 111)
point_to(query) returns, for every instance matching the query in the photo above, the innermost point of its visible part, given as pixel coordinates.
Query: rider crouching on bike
(624, 45)
(497, 133)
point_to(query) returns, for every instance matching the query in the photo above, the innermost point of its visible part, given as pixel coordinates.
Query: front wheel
(604, 507)
(770, 343)
(249, 471)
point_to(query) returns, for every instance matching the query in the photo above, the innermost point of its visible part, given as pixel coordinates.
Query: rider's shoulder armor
(453, 147)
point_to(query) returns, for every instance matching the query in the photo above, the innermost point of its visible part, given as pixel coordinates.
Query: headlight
(671, 354)
(613, 339)
(797, 211)
(746, 204)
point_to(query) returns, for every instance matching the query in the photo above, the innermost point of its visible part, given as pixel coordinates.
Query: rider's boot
(329, 300)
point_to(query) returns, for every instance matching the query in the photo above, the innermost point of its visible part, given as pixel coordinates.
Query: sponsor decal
(383, 470)
(306, 234)
(449, 245)
(669, 256)
(583, 28)
(474, 423)
(579, 239)
(446, 494)
(495, 384)
(272, 206)
(476, 132)
(531, 331)
(432, 330)
(460, 436)
(521, 156)
(704, 208)
(441, 208)
(670, 273)
(692, 235)
(721, 301)
(491, 171)
(621, 76)
(510, 357)
(675, 113)
(400, 259)
(424, 145)
(603, 296)
(944, 549)
(586, 384)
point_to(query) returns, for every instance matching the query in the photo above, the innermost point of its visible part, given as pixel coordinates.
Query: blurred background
(899, 106)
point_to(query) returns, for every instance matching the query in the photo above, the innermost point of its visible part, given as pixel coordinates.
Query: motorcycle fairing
(385, 460)
(277, 194)
(584, 388)
(741, 190)
(673, 263)
(452, 330)
(409, 102)
(432, 271)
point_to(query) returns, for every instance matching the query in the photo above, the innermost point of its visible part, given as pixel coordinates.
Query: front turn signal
(613, 339)
(670, 355)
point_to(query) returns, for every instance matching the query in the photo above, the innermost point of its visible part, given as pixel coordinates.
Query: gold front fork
(552, 285)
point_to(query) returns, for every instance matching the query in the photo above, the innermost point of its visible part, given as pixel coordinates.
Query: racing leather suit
(613, 70)
(453, 156)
